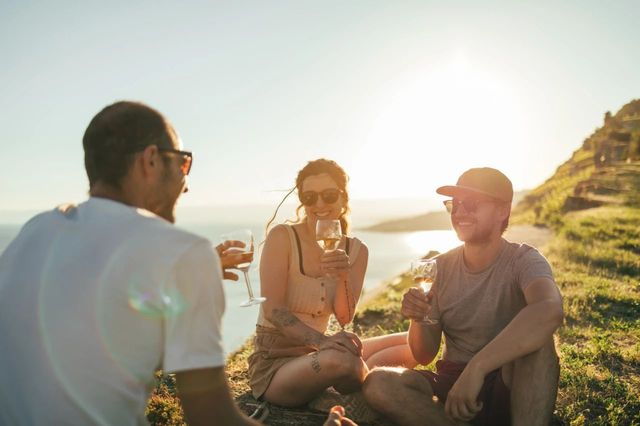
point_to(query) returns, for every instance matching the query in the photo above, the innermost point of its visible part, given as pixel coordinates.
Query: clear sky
(404, 94)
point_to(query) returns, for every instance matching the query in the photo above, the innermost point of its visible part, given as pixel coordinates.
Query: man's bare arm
(206, 399)
(529, 330)
(424, 339)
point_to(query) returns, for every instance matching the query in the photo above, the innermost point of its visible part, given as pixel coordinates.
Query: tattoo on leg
(315, 363)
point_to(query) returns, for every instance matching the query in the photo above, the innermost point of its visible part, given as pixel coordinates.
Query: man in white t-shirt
(95, 298)
(497, 306)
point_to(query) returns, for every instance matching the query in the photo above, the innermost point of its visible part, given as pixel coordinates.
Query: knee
(546, 356)
(345, 365)
(376, 386)
(379, 384)
(544, 359)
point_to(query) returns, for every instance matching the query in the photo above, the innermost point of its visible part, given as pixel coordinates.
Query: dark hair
(118, 131)
(317, 167)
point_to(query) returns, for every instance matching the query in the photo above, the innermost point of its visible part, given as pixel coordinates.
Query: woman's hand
(343, 341)
(231, 255)
(334, 262)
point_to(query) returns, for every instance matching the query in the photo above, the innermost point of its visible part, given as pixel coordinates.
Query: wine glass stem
(248, 283)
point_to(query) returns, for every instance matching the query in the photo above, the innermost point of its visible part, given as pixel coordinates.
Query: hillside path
(535, 236)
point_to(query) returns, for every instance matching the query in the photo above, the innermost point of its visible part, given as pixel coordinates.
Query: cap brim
(456, 190)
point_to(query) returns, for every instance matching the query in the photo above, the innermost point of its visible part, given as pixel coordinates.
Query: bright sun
(435, 124)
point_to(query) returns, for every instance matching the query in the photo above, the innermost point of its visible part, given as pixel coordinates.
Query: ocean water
(389, 255)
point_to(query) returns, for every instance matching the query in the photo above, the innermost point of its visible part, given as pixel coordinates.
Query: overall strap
(298, 247)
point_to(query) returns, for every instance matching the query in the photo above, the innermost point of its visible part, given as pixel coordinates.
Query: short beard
(481, 236)
(167, 212)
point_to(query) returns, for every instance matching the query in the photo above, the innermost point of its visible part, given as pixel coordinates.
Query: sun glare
(434, 124)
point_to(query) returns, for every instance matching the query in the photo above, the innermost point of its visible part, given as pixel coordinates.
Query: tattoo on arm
(312, 339)
(315, 362)
(282, 318)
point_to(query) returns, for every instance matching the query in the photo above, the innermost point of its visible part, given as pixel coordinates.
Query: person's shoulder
(279, 233)
(522, 253)
(353, 241)
(162, 238)
(356, 240)
(523, 250)
(450, 255)
(51, 217)
(174, 234)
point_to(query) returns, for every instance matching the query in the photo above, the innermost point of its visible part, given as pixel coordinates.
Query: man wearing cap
(497, 305)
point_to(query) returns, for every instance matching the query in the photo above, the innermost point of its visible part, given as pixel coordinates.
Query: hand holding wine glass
(328, 236)
(424, 273)
(241, 245)
(232, 253)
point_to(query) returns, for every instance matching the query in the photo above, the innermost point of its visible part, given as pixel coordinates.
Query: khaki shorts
(272, 350)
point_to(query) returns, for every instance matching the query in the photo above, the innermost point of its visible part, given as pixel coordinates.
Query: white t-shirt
(92, 302)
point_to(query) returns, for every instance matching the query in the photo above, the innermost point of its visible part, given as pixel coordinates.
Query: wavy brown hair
(313, 168)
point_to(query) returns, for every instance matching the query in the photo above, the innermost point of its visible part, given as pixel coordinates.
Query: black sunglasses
(187, 160)
(310, 198)
(470, 204)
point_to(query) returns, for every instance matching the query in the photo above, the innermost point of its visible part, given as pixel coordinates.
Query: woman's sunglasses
(329, 196)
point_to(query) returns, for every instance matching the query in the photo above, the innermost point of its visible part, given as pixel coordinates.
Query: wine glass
(328, 234)
(424, 274)
(246, 237)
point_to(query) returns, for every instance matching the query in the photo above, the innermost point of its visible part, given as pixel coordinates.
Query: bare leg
(302, 379)
(533, 380)
(388, 351)
(404, 396)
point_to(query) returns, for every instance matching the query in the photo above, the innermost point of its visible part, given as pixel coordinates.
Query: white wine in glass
(424, 274)
(328, 234)
(246, 237)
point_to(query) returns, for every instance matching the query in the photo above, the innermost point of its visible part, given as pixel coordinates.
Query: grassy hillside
(592, 203)
(603, 171)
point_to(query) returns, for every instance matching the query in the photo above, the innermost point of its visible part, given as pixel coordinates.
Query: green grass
(544, 204)
(597, 266)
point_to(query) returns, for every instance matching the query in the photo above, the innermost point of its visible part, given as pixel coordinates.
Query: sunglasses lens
(309, 198)
(470, 205)
(330, 196)
(186, 165)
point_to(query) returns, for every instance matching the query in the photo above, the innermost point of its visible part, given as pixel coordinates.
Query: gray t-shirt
(474, 307)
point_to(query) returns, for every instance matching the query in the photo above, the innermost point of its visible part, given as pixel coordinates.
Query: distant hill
(605, 170)
(428, 221)
(431, 221)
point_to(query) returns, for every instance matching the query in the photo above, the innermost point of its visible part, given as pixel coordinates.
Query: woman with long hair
(294, 360)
